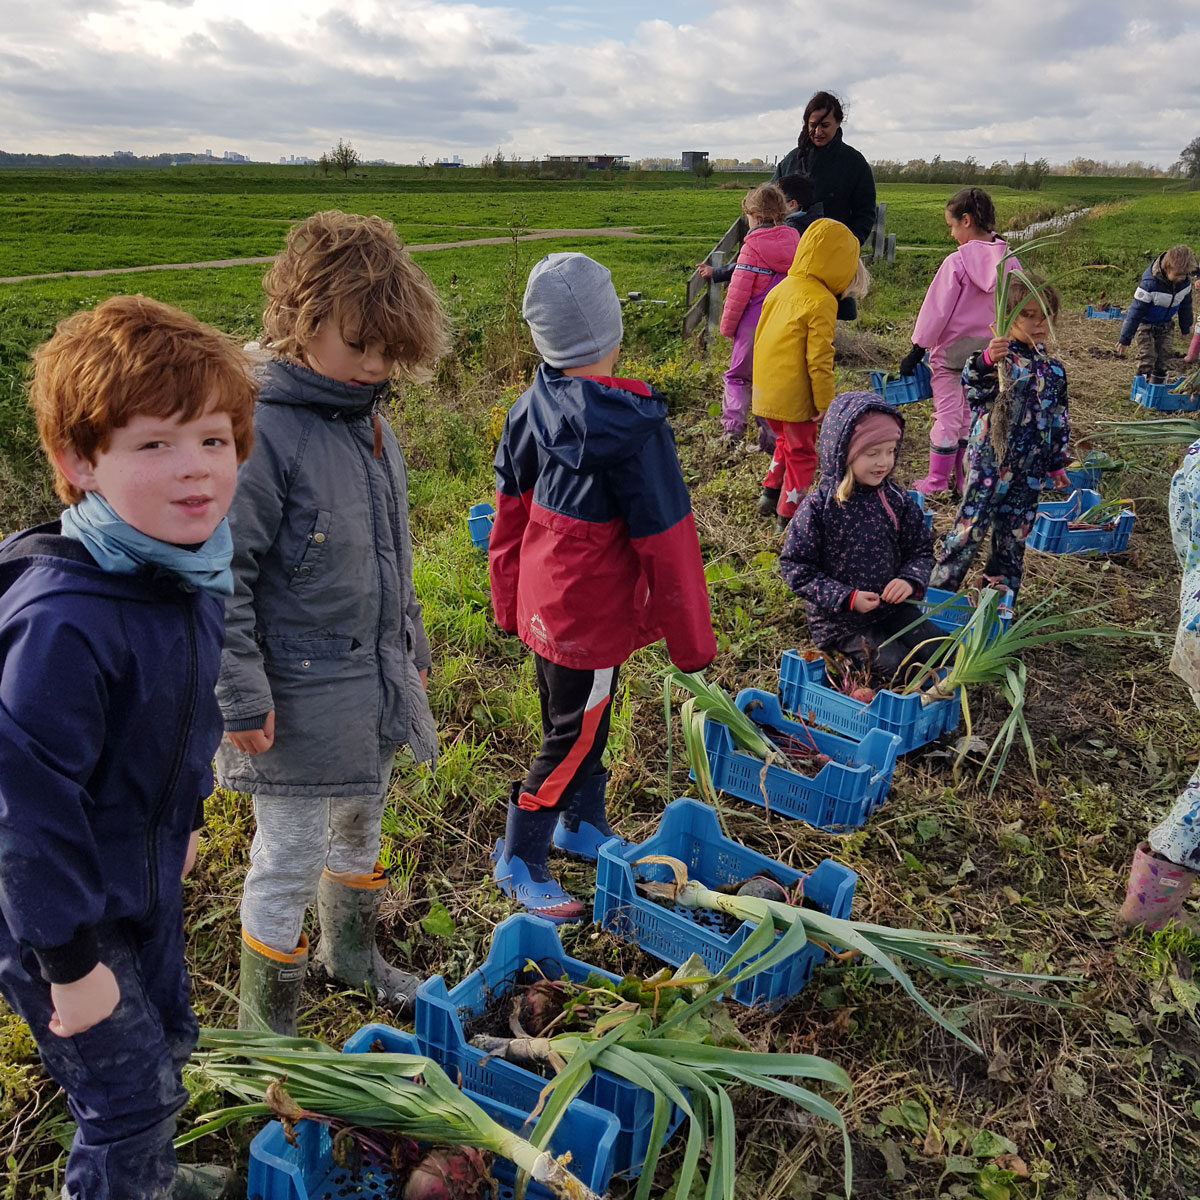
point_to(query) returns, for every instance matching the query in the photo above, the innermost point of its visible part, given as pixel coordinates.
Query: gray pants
(296, 838)
(1153, 344)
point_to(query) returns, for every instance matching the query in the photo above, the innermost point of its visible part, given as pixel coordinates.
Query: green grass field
(1100, 1097)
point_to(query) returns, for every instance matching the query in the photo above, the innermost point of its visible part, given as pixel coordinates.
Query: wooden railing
(703, 313)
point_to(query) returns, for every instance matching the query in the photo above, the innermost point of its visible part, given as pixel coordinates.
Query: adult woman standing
(841, 177)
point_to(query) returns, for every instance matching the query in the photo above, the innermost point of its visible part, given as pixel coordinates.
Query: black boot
(768, 501)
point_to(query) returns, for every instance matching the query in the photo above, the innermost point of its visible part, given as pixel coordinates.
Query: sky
(402, 79)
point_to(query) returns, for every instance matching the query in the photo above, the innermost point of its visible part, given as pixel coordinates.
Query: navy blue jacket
(1155, 301)
(108, 723)
(594, 552)
(832, 549)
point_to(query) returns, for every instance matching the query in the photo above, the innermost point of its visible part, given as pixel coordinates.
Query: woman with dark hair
(841, 177)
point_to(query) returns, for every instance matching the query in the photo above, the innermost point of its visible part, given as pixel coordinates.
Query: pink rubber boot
(941, 463)
(1156, 892)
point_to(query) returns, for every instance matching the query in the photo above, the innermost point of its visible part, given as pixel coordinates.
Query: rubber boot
(584, 827)
(1193, 350)
(1156, 891)
(520, 858)
(269, 986)
(941, 463)
(768, 501)
(960, 466)
(348, 913)
(196, 1181)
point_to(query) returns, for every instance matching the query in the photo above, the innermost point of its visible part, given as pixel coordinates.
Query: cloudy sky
(406, 78)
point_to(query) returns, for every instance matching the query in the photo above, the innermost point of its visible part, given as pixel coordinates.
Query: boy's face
(339, 357)
(170, 480)
(1175, 275)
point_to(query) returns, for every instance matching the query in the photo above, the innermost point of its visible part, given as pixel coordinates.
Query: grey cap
(572, 310)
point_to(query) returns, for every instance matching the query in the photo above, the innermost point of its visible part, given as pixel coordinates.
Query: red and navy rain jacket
(594, 552)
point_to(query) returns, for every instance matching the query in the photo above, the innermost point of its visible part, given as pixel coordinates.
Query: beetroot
(450, 1173)
(864, 694)
(541, 1005)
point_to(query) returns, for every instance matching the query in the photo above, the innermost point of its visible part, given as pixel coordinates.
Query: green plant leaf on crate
(1167, 431)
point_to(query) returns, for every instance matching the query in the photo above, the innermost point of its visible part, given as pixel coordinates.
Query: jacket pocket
(313, 550)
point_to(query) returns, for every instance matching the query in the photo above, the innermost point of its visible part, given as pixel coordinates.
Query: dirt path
(534, 235)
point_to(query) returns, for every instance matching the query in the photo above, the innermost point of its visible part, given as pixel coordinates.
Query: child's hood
(775, 245)
(282, 381)
(828, 251)
(583, 423)
(838, 425)
(979, 259)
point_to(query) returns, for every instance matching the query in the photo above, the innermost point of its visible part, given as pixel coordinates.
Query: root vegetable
(449, 1174)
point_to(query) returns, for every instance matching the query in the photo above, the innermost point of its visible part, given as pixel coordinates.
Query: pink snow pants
(951, 414)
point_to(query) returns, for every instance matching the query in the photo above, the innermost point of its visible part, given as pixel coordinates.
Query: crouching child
(111, 621)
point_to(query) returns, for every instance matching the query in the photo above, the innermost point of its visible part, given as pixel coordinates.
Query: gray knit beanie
(572, 310)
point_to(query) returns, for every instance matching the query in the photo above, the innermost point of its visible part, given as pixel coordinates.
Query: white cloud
(402, 78)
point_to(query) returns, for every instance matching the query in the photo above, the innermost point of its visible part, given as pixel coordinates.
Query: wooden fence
(704, 297)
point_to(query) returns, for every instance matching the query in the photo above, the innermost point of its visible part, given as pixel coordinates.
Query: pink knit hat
(872, 427)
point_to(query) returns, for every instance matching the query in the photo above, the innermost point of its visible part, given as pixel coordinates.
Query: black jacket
(842, 182)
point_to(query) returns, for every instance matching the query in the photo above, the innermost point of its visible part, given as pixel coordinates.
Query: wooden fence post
(712, 325)
(877, 234)
(891, 247)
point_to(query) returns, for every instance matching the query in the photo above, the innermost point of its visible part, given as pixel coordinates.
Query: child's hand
(704, 270)
(997, 350)
(189, 859)
(255, 741)
(86, 1002)
(896, 592)
(1121, 348)
(1059, 481)
(423, 672)
(865, 602)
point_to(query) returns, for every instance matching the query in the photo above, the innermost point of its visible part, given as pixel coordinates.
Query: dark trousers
(1153, 345)
(576, 713)
(865, 651)
(123, 1077)
(1009, 517)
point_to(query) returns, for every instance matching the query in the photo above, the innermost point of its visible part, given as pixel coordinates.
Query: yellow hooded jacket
(793, 345)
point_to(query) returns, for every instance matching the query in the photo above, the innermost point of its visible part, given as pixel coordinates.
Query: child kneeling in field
(323, 674)
(858, 550)
(593, 553)
(111, 621)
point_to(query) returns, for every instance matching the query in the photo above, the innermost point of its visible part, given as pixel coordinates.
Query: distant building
(298, 160)
(208, 154)
(593, 162)
(692, 158)
(456, 161)
(123, 154)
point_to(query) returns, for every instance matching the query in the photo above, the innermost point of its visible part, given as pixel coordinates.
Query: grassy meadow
(1097, 1098)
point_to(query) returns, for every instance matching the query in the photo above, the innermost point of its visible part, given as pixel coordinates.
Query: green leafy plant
(374, 1090)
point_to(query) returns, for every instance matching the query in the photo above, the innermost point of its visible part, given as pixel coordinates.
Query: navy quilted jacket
(1156, 300)
(833, 549)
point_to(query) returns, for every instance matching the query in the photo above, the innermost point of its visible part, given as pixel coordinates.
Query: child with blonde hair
(1165, 292)
(765, 258)
(858, 551)
(325, 662)
(110, 638)
(793, 346)
(1018, 444)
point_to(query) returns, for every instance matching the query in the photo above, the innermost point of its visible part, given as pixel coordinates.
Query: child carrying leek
(1018, 444)
(857, 549)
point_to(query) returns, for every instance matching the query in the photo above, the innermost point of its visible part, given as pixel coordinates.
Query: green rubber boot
(348, 912)
(269, 987)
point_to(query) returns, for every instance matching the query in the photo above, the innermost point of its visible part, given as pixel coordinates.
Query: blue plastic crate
(919, 498)
(306, 1171)
(479, 524)
(959, 609)
(804, 688)
(906, 389)
(1159, 396)
(690, 832)
(1109, 313)
(439, 1028)
(1051, 535)
(843, 793)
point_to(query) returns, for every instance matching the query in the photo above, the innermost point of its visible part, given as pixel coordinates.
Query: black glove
(908, 364)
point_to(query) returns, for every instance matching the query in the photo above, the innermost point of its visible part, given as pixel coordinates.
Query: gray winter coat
(323, 627)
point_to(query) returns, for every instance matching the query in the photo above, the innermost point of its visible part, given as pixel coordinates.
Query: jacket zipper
(176, 764)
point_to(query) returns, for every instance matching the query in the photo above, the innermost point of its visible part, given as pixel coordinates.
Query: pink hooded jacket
(959, 307)
(767, 251)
